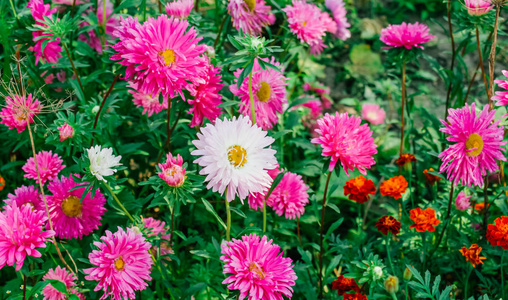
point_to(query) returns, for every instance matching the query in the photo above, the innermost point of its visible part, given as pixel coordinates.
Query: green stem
(467, 281)
(388, 254)
(251, 96)
(14, 9)
(502, 274)
(228, 221)
(264, 215)
(118, 201)
(394, 297)
(403, 99)
(321, 236)
(424, 248)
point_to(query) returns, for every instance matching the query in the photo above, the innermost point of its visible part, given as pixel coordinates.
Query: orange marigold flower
(406, 158)
(388, 223)
(359, 189)
(473, 254)
(2, 183)
(480, 206)
(343, 285)
(394, 187)
(431, 178)
(497, 233)
(424, 219)
(357, 296)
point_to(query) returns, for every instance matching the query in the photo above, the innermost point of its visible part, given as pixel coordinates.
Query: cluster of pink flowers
(52, 50)
(28, 195)
(337, 7)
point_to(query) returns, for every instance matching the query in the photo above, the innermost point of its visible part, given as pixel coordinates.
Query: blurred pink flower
(256, 199)
(65, 131)
(171, 171)
(250, 15)
(49, 166)
(62, 275)
(339, 12)
(373, 114)
(151, 105)
(405, 35)
(180, 8)
(19, 111)
(26, 195)
(462, 201)
(502, 96)
(478, 7)
(52, 49)
(156, 228)
(112, 22)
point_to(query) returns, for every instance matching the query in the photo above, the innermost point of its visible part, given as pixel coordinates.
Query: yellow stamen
(474, 143)
(253, 267)
(168, 56)
(264, 92)
(119, 263)
(237, 156)
(71, 206)
(251, 4)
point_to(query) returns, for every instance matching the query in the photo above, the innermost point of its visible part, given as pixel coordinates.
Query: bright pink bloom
(112, 22)
(316, 88)
(462, 201)
(52, 49)
(161, 55)
(374, 114)
(256, 199)
(172, 171)
(289, 197)
(405, 35)
(20, 234)
(71, 217)
(151, 105)
(19, 111)
(343, 138)
(502, 96)
(180, 8)
(339, 15)
(257, 268)
(477, 141)
(49, 166)
(206, 96)
(26, 195)
(60, 274)
(121, 265)
(269, 90)
(250, 16)
(65, 131)
(478, 7)
(158, 228)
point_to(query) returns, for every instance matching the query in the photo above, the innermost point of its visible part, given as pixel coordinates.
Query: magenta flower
(477, 141)
(161, 55)
(345, 140)
(66, 132)
(151, 105)
(405, 35)
(289, 197)
(121, 264)
(180, 8)
(19, 111)
(26, 195)
(373, 114)
(250, 16)
(257, 268)
(21, 234)
(156, 228)
(478, 7)
(60, 274)
(339, 12)
(72, 217)
(52, 49)
(171, 171)
(49, 166)
(462, 201)
(112, 22)
(256, 199)
(269, 91)
(502, 96)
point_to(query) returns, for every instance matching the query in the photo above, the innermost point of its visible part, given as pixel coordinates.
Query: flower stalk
(492, 56)
(118, 201)
(251, 96)
(321, 236)
(228, 221)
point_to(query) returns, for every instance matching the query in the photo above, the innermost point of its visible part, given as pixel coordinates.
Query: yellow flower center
(71, 206)
(168, 56)
(253, 267)
(251, 4)
(119, 263)
(474, 143)
(237, 156)
(304, 23)
(264, 92)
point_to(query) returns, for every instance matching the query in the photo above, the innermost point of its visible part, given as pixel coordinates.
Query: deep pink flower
(250, 16)
(269, 91)
(289, 197)
(339, 15)
(405, 35)
(343, 139)
(476, 145)
(49, 166)
(112, 22)
(151, 105)
(207, 99)
(21, 234)
(478, 7)
(71, 216)
(256, 199)
(374, 114)
(502, 96)
(121, 265)
(161, 55)
(18, 111)
(26, 195)
(65, 131)
(462, 201)
(171, 171)
(52, 49)
(258, 269)
(180, 8)
(60, 274)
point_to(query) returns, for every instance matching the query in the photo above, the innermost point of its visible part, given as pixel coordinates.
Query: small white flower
(21, 287)
(8, 292)
(95, 109)
(102, 162)
(378, 272)
(36, 295)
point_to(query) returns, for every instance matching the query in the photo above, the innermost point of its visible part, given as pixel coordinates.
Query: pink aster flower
(161, 55)
(21, 234)
(405, 35)
(26, 195)
(257, 268)
(121, 264)
(180, 8)
(462, 201)
(158, 228)
(112, 22)
(71, 216)
(374, 114)
(502, 96)
(322, 91)
(19, 111)
(207, 99)
(476, 145)
(60, 274)
(256, 199)
(289, 197)
(49, 166)
(65, 131)
(151, 105)
(269, 90)
(171, 171)
(250, 15)
(343, 139)
(478, 7)
(52, 49)
(337, 7)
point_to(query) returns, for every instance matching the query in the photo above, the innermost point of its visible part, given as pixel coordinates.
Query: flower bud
(407, 274)
(377, 272)
(392, 284)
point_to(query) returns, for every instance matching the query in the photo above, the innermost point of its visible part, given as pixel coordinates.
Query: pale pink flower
(374, 114)
(289, 197)
(337, 7)
(250, 15)
(62, 275)
(49, 166)
(405, 35)
(65, 131)
(462, 201)
(180, 8)
(151, 105)
(19, 111)
(478, 7)
(26, 195)
(52, 50)
(502, 96)
(112, 22)
(171, 171)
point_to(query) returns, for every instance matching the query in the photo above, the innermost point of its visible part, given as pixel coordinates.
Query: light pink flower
(405, 35)
(112, 22)
(269, 91)
(289, 197)
(502, 96)
(462, 201)
(478, 7)
(476, 145)
(151, 105)
(339, 13)
(49, 166)
(121, 264)
(172, 171)
(19, 111)
(343, 139)
(180, 8)
(322, 91)
(65, 131)
(52, 50)
(257, 268)
(72, 217)
(158, 228)
(21, 234)
(250, 16)
(60, 274)
(374, 114)
(26, 195)
(256, 199)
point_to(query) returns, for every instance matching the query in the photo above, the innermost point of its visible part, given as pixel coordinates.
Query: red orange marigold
(473, 254)
(431, 178)
(388, 224)
(394, 187)
(343, 285)
(359, 189)
(424, 219)
(405, 158)
(357, 296)
(497, 233)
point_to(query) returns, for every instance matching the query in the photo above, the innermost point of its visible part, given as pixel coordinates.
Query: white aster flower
(102, 162)
(233, 155)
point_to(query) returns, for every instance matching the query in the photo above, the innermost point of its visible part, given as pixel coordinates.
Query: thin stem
(321, 236)
(403, 100)
(471, 84)
(73, 67)
(450, 199)
(24, 286)
(486, 201)
(251, 96)
(19, 70)
(169, 133)
(298, 231)
(228, 220)
(447, 221)
(14, 9)
(160, 6)
(481, 63)
(118, 201)
(467, 281)
(102, 105)
(388, 254)
(172, 224)
(424, 249)
(450, 29)
(220, 30)
(492, 57)
(264, 215)
(502, 275)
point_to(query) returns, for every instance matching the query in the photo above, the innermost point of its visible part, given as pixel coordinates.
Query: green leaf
(58, 285)
(275, 182)
(334, 226)
(209, 207)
